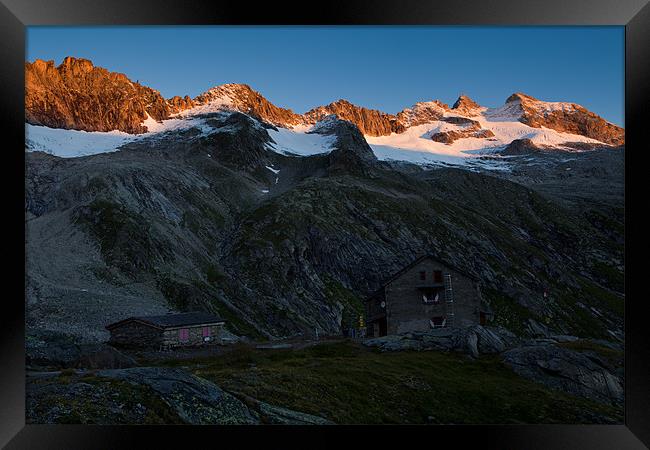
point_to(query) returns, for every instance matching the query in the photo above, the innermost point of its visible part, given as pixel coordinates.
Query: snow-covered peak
(422, 112)
(540, 106)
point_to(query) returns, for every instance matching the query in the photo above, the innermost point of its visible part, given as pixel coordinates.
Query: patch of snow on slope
(298, 142)
(415, 145)
(73, 143)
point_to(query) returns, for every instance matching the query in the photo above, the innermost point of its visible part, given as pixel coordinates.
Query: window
(423, 275)
(431, 296)
(437, 276)
(438, 322)
(184, 335)
(206, 332)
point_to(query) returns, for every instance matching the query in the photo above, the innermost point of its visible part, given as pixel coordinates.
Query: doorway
(383, 326)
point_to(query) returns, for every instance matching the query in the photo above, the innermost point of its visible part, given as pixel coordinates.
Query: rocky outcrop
(195, 400)
(276, 415)
(57, 351)
(422, 112)
(520, 147)
(474, 340)
(351, 154)
(577, 373)
(178, 104)
(145, 395)
(468, 128)
(238, 141)
(566, 118)
(370, 121)
(77, 95)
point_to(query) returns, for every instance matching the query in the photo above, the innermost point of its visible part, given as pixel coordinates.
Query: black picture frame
(15, 15)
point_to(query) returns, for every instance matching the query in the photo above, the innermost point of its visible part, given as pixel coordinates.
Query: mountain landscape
(282, 222)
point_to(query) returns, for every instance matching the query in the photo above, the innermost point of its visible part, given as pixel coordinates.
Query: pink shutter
(183, 334)
(206, 331)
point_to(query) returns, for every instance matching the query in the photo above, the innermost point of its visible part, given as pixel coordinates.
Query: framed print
(406, 220)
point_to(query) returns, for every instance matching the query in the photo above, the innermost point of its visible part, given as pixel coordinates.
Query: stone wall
(406, 311)
(136, 334)
(171, 336)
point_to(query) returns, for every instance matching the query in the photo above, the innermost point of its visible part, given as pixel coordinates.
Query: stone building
(168, 330)
(423, 295)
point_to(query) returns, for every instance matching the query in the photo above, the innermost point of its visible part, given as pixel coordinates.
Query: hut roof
(415, 262)
(172, 320)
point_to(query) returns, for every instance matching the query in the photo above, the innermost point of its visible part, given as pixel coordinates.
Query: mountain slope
(212, 218)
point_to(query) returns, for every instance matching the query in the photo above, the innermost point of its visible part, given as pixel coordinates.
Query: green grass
(82, 409)
(352, 303)
(349, 384)
(612, 277)
(602, 298)
(507, 312)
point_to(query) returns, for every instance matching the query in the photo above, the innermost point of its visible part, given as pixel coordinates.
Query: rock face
(565, 117)
(187, 220)
(352, 153)
(178, 104)
(422, 112)
(470, 128)
(473, 340)
(78, 95)
(195, 400)
(574, 372)
(147, 395)
(370, 121)
(276, 415)
(520, 147)
(57, 351)
(546, 361)
(243, 98)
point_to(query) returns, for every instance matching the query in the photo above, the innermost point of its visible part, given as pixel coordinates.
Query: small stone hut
(168, 330)
(423, 295)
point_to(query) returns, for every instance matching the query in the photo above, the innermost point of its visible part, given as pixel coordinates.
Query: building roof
(415, 262)
(172, 320)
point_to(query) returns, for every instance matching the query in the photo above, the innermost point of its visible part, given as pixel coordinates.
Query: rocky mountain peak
(520, 97)
(371, 122)
(78, 95)
(73, 64)
(565, 117)
(466, 105)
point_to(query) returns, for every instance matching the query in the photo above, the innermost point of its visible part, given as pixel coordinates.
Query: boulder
(277, 415)
(474, 340)
(520, 147)
(282, 416)
(567, 370)
(56, 350)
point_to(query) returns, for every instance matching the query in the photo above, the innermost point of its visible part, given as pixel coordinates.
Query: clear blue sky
(386, 68)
